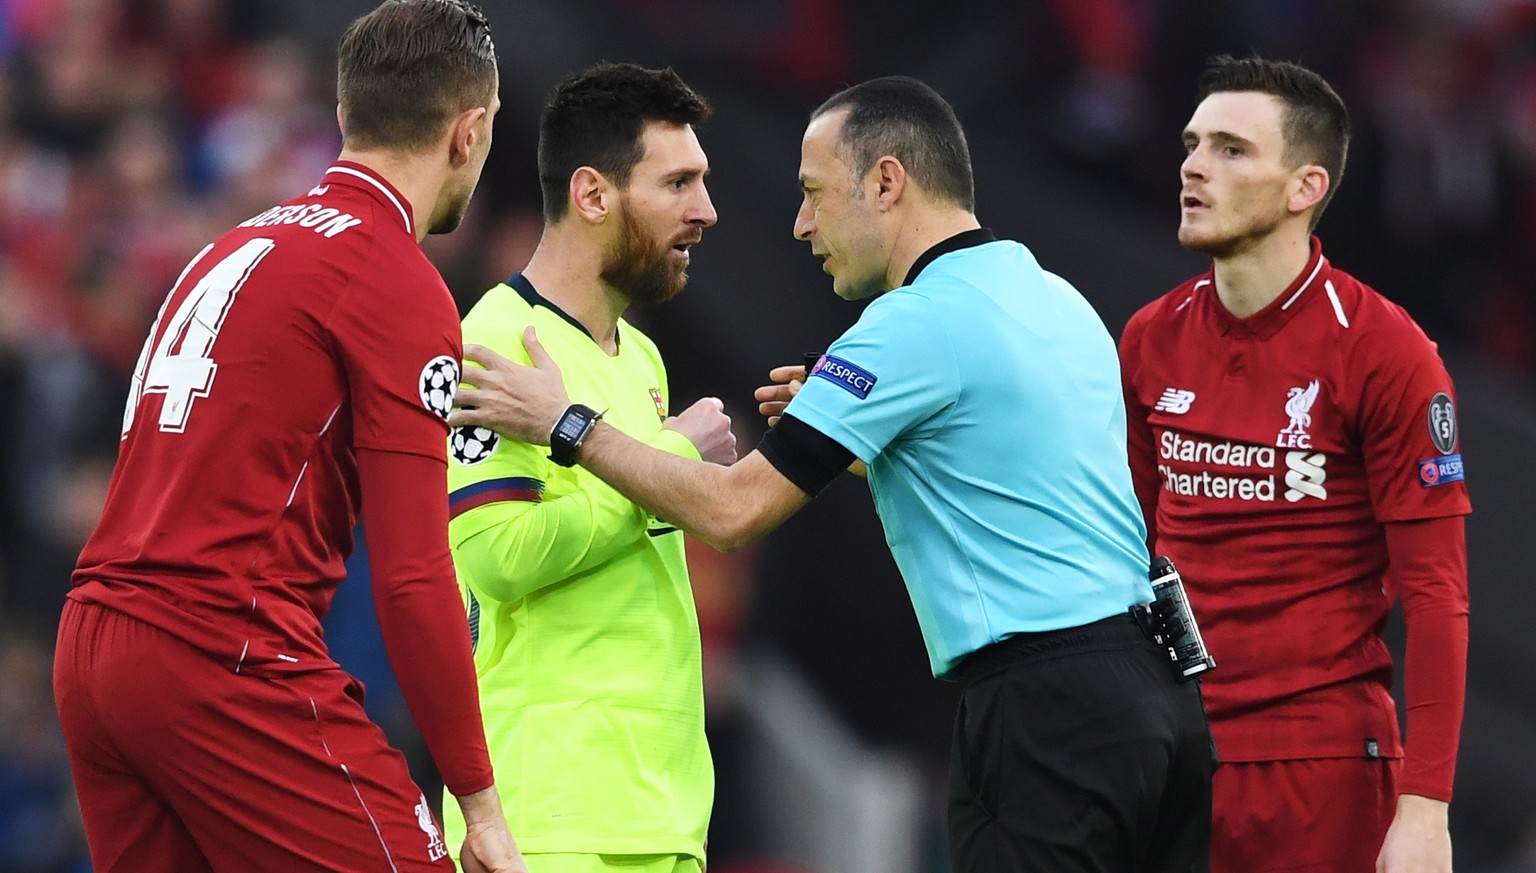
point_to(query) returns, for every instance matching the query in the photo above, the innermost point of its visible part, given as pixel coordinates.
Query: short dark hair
(408, 67)
(1316, 123)
(595, 119)
(904, 118)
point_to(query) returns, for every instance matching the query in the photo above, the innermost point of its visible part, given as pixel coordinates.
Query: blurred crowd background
(133, 131)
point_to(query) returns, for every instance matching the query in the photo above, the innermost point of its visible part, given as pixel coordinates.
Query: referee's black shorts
(1077, 751)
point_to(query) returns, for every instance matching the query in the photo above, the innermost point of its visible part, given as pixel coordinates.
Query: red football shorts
(181, 764)
(1319, 815)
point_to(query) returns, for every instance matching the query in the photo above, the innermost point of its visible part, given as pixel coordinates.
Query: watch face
(568, 433)
(569, 426)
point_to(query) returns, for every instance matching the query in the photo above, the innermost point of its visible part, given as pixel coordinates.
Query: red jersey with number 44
(312, 329)
(1267, 453)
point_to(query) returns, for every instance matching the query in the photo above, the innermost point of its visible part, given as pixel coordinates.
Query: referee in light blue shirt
(983, 394)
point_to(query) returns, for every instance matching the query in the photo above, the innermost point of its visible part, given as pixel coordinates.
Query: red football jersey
(1268, 452)
(303, 365)
(313, 328)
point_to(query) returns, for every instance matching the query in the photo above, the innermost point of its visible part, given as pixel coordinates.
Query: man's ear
(341, 120)
(464, 135)
(1308, 187)
(591, 195)
(888, 179)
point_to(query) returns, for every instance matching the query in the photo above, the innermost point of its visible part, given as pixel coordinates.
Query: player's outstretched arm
(488, 845)
(727, 507)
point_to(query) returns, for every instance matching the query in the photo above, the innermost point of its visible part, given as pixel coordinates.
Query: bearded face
(644, 266)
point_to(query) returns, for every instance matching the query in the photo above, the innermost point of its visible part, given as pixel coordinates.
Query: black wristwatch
(570, 432)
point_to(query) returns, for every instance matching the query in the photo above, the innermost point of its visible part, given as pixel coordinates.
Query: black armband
(804, 455)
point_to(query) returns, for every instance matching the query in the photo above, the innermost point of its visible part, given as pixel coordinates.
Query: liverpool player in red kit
(1294, 444)
(301, 370)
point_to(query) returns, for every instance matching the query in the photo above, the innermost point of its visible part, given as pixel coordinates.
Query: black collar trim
(962, 240)
(521, 285)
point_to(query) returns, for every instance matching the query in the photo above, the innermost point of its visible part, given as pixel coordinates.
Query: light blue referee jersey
(985, 398)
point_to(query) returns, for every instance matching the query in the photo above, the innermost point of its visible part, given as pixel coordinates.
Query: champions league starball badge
(469, 445)
(439, 382)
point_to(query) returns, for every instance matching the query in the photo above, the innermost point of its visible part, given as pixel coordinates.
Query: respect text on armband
(844, 374)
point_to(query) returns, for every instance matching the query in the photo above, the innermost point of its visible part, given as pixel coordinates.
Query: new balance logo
(1175, 401)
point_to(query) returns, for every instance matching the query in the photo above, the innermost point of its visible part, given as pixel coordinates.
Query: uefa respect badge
(1441, 471)
(844, 374)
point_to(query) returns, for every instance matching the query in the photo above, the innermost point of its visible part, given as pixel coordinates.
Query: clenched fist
(706, 425)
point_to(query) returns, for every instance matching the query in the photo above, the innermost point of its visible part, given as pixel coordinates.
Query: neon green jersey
(586, 639)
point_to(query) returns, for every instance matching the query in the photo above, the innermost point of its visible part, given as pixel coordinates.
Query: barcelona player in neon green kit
(585, 635)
